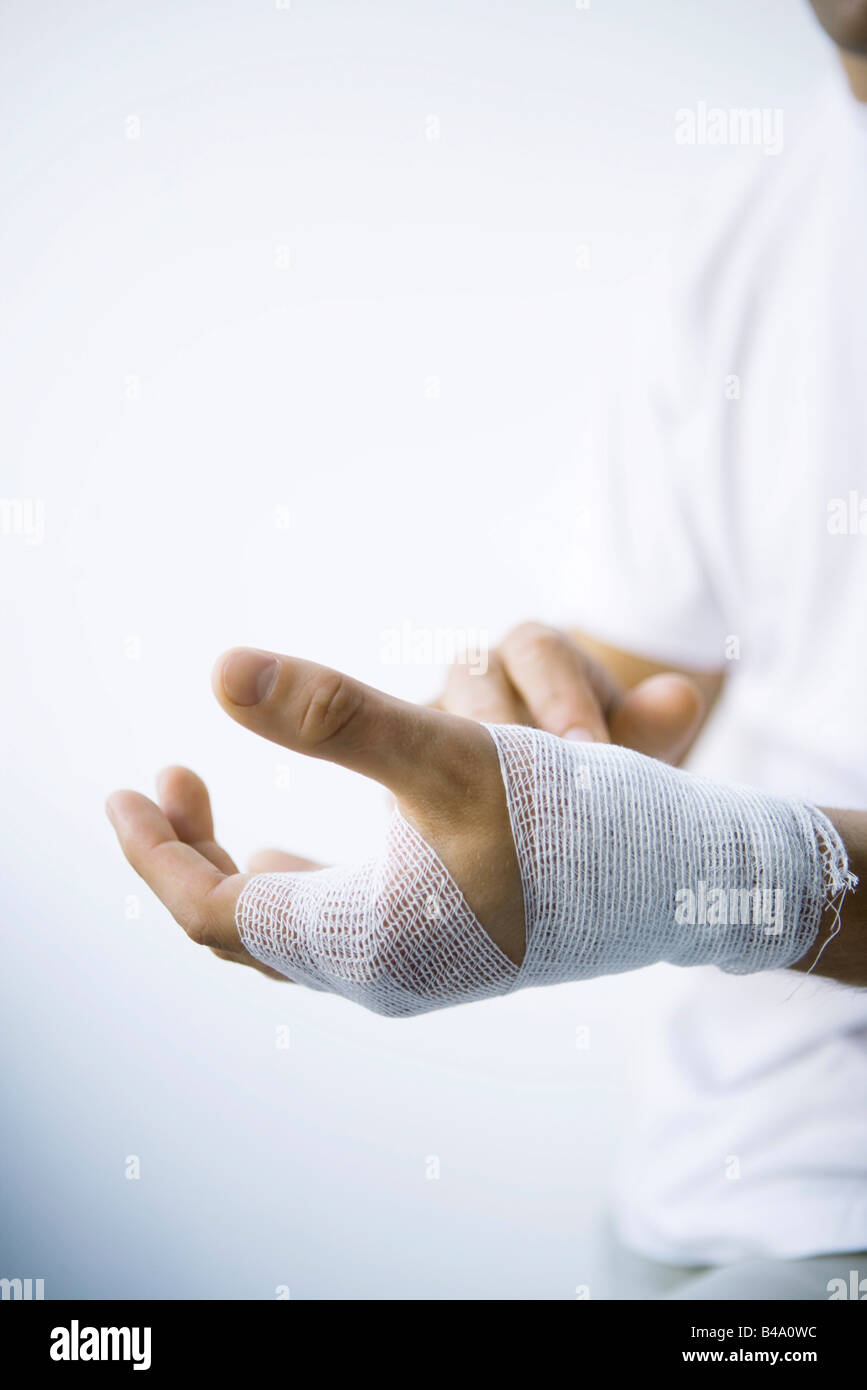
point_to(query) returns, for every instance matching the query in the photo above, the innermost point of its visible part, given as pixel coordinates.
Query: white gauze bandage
(624, 862)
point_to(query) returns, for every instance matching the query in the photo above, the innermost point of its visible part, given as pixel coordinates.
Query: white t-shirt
(721, 529)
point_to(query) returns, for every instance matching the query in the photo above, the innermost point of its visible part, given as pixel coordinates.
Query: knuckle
(198, 925)
(330, 706)
(533, 644)
(522, 631)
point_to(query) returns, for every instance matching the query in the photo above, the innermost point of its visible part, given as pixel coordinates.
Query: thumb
(420, 754)
(659, 716)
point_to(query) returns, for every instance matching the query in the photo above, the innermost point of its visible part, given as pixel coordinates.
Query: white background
(230, 452)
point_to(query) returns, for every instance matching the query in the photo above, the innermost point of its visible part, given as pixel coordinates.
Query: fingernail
(578, 735)
(249, 677)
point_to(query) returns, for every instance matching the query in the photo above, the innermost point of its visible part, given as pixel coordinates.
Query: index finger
(200, 897)
(555, 682)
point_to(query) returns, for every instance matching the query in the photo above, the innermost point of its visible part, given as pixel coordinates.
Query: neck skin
(855, 65)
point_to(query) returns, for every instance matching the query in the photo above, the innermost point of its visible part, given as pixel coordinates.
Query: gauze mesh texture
(394, 934)
(624, 862)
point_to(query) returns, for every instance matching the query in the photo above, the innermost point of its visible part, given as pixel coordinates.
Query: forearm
(840, 950)
(844, 954)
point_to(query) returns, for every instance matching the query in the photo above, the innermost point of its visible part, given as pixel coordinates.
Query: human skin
(559, 680)
(442, 767)
(855, 66)
(845, 21)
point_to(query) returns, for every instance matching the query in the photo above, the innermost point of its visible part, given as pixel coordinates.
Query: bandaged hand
(514, 858)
